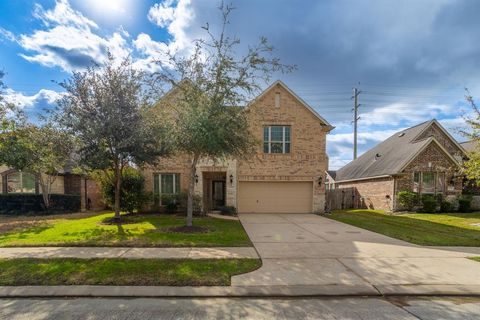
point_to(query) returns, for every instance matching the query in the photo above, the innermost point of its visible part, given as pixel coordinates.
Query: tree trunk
(191, 187)
(118, 184)
(45, 191)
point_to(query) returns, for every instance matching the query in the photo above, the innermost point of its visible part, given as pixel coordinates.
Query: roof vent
(401, 134)
(377, 156)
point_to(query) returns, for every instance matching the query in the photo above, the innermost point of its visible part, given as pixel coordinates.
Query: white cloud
(62, 14)
(162, 14)
(69, 42)
(45, 96)
(400, 112)
(176, 17)
(362, 137)
(4, 33)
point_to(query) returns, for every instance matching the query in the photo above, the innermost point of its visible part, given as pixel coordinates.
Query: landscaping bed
(448, 229)
(123, 272)
(149, 230)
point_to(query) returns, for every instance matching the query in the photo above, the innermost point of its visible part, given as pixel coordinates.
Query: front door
(218, 193)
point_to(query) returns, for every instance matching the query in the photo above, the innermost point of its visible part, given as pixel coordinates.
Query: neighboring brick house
(13, 181)
(285, 175)
(424, 159)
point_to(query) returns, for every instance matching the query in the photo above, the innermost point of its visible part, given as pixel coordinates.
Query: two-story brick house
(285, 175)
(424, 159)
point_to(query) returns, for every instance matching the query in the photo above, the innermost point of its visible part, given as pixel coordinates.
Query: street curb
(332, 290)
(169, 291)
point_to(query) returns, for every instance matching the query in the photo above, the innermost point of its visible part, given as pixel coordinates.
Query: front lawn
(449, 229)
(151, 230)
(122, 272)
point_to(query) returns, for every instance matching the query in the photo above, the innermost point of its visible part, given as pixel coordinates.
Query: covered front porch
(214, 185)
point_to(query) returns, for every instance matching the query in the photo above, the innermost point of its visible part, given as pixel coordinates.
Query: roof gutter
(366, 178)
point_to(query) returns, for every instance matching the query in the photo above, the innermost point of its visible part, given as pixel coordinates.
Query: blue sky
(412, 59)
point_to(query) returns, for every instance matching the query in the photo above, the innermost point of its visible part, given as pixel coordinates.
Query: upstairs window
(20, 182)
(276, 139)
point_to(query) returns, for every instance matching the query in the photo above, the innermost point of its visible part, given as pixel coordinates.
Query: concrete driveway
(309, 250)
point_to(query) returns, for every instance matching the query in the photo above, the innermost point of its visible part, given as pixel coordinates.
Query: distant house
(469, 146)
(424, 159)
(21, 182)
(330, 176)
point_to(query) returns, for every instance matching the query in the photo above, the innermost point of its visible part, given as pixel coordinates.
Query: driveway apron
(310, 250)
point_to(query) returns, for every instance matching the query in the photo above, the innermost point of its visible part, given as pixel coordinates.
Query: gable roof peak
(302, 102)
(391, 155)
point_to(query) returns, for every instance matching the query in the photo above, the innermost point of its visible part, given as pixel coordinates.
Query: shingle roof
(469, 146)
(332, 173)
(388, 157)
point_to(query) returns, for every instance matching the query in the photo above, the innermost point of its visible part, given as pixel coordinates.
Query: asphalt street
(237, 308)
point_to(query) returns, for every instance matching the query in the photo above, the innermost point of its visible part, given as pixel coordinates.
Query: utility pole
(356, 105)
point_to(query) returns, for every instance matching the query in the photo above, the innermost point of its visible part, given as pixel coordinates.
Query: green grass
(475, 259)
(147, 231)
(122, 272)
(449, 229)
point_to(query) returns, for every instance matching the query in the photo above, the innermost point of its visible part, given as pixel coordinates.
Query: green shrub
(429, 203)
(464, 203)
(178, 202)
(446, 206)
(132, 194)
(197, 202)
(228, 210)
(171, 202)
(407, 199)
(32, 204)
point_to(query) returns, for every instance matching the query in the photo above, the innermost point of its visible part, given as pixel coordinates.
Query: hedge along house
(285, 175)
(15, 182)
(424, 159)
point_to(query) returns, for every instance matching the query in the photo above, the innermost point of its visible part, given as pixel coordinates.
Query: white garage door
(275, 197)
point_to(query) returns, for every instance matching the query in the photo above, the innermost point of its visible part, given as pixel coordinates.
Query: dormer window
(276, 139)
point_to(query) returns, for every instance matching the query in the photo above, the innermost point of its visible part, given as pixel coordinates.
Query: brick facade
(380, 193)
(376, 194)
(432, 159)
(307, 160)
(444, 140)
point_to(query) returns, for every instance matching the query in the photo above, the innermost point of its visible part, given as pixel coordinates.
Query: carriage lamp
(320, 179)
(196, 178)
(231, 179)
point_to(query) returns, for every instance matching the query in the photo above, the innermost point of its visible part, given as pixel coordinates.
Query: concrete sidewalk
(129, 253)
(302, 255)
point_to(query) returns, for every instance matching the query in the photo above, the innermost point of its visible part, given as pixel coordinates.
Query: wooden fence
(339, 199)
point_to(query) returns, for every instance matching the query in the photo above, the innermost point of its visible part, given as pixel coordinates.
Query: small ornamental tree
(132, 194)
(104, 109)
(471, 167)
(212, 83)
(41, 150)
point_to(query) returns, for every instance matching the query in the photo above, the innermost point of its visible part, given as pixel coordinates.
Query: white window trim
(159, 177)
(435, 182)
(283, 142)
